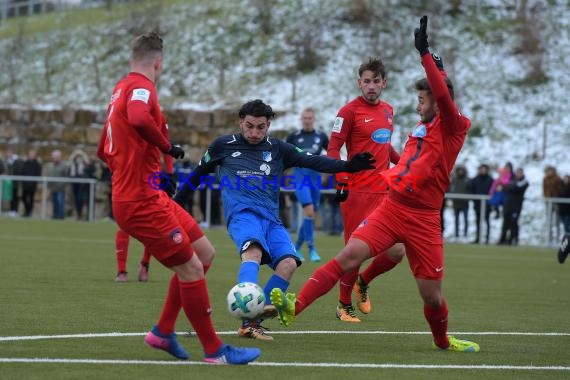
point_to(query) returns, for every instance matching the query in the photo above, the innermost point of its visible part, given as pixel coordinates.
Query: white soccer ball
(246, 300)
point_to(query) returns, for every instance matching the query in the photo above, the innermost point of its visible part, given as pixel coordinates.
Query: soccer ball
(246, 300)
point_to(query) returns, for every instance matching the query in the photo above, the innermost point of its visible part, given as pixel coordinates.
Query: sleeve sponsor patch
(140, 94)
(337, 126)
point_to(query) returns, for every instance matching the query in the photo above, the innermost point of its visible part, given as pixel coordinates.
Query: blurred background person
(57, 168)
(481, 185)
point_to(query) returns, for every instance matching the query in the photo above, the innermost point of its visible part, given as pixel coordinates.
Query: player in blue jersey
(309, 194)
(250, 167)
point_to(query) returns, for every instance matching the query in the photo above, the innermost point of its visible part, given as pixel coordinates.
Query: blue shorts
(308, 187)
(248, 227)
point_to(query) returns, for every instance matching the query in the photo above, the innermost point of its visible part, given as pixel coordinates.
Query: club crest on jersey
(266, 156)
(382, 136)
(419, 131)
(176, 236)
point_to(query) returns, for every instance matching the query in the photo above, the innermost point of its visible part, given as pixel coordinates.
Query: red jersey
(423, 174)
(364, 127)
(133, 138)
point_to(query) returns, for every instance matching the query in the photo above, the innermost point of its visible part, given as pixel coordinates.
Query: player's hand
(176, 151)
(421, 38)
(341, 192)
(361, 161)
(168, 184)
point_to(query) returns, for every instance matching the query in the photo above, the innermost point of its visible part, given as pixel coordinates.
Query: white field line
(289, 364)
(316, 332)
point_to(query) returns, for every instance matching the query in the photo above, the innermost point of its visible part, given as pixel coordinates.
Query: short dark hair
(423, 85)
(256, 108)
(146, 45)
(375, 65)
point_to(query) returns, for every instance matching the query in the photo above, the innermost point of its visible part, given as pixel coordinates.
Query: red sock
(196, 304)
(346, 284)
(437, 319)
(146, 257)
(320, 283)
(171, 308)
(121, 249)
(382, 263)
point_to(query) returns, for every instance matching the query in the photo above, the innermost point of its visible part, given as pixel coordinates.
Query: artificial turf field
(63, 317)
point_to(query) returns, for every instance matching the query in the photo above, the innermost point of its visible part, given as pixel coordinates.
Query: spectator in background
(460, 185)
(481, 185)
(31, 168)
(496, 191)
(564, 208)
(80, 168)
(14, 167)
(106, 180)
(514, 197)
(551, 188)
(57, 168)
(183, 170)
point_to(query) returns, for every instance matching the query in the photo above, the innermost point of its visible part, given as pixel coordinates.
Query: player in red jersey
(364, 124)
(122, 238)
(133, 142)
(410, 212)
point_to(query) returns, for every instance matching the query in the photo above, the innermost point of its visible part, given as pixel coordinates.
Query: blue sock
(248, 272)
(309, 227)
(300, 236)
(274, 282)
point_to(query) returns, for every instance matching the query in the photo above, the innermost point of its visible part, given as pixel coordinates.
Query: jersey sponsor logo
(366, 120)
(141, 94)
(265, 169)
(337, 126)
(382, 136)
(176, 236)
(419, 131)
(266, 156)
(236, 154)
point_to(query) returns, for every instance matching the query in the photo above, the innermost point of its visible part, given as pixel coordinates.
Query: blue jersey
(311, 142)
(250, 175)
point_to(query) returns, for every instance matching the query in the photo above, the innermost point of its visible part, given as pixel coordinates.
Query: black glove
(360, 161)
(341, 192)
(420, 35)
(176, 151)
(438, 61)
(168, 184)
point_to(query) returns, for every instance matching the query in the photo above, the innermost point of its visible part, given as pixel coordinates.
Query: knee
(397, 252)
(286, 268)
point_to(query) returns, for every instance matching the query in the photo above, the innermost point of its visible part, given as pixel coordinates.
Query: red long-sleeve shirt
(422, 175)
(364, 127)
(133, 138)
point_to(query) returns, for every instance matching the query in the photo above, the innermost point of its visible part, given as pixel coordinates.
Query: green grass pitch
(63, 317)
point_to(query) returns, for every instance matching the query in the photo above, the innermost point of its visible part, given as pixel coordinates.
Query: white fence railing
(549, 227)
(43, 182)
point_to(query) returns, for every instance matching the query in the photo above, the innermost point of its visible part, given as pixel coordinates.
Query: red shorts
(357, 207)
(418, 229)
(161, 225)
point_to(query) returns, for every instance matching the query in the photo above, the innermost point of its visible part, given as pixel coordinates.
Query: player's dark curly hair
(256, 108)
(423, 85)
(375, 65)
